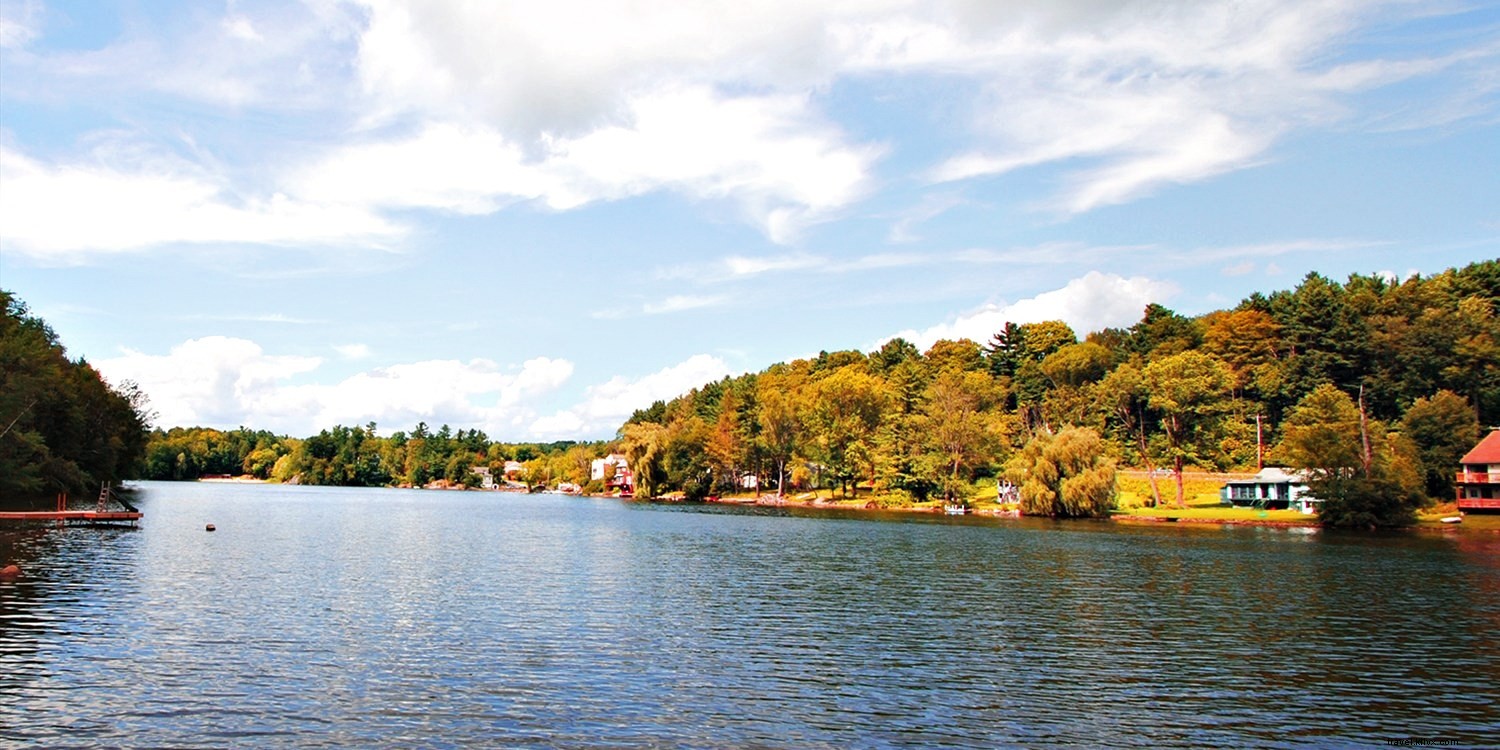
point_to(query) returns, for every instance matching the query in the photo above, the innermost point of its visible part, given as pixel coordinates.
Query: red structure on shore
(1479, 476)
(100, 514)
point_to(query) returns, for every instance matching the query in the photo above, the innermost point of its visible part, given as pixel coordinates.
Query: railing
(1479, 503)
(1472, 477)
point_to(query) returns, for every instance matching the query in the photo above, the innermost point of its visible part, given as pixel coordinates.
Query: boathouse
(1272, 488)
(1478, 481)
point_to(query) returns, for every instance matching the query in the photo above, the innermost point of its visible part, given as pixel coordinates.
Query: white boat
(955, 510)
(1453, 519)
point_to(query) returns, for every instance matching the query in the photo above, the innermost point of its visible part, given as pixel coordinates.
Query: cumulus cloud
(226, 382)
(472, 107)
(215, 380)
(1088, 303)
(155, 201)
(607, 405)
(766, 154)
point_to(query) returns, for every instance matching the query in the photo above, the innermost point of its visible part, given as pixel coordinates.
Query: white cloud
(214, 380)
(18, 23)
(352, 351)
(1089, 303)
(1149, 94)
(681, 302)
(766, 154)
(62, 211)
(241, 28)
(226, 382)
(607, 405)
(472, 107)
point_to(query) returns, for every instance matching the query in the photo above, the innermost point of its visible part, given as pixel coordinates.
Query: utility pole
(1364, 431)
(1260, 446)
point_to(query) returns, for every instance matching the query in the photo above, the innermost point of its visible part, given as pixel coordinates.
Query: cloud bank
(1089, 303)
(225, 382)
(472, 108)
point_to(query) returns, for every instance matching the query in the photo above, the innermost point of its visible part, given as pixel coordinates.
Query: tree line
(63, 428)
(359, 457)
(1374, 385)
(1397, 374)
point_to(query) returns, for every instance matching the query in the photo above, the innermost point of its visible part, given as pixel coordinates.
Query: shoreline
(1490, 523)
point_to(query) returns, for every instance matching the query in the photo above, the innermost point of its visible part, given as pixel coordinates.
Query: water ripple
(333, 618)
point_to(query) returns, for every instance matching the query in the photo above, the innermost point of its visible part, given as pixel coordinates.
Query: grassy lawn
(1201, 494)
(1432, 518)
(1215, 512)
(1201, 491)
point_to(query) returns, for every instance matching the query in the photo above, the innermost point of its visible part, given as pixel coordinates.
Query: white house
(620, 479)
(486, 480)
(1271, 487)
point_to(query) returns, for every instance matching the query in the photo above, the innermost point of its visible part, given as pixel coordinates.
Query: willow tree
(1067, 475)
(645, 445)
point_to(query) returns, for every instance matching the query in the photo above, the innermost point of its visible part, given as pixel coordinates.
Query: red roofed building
(1479, 476)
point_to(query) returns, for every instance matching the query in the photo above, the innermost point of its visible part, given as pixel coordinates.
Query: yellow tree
(844, 418)
(961, 425)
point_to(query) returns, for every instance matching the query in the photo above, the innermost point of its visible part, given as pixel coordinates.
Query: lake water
(387, 618)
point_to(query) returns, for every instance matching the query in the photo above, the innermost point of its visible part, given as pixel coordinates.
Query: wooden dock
(82, 516)
(62, 515)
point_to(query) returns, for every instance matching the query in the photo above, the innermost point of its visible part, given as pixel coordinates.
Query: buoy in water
(10, 572)
(209, 527)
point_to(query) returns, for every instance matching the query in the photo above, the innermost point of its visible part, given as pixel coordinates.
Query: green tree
(62, 427)
(1189, 392)
(1443, 429)
(1067, 475)
(1361, 481)
(961, 425)
(1163, 332)
(1123, 397)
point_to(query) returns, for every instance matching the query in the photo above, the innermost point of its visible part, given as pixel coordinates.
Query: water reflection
(326, 617)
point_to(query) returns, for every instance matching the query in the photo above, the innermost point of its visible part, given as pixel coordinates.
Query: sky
(534, 218)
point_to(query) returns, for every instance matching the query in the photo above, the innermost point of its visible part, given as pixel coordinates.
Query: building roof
(1487, 452)
(1273, 475)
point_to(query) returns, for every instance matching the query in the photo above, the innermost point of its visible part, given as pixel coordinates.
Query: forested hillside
(1421, 356)
(62, 427)
(1415, 364)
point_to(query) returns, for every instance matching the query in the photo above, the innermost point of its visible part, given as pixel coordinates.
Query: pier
(99, 515)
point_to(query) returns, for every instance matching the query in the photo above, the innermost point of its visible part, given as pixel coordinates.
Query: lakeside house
(1478, 483)
(513, 470)
(614, 471)
(1271, 488)
(486, 479)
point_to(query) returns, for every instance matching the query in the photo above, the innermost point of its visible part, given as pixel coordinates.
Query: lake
(331, 617)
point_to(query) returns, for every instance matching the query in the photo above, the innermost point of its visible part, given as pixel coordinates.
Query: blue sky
(535, 218)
